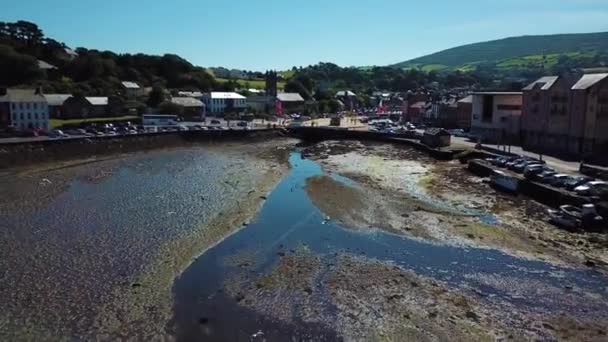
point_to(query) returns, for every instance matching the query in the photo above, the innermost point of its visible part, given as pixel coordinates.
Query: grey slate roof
(343, 93)
(468, 99)
(130, 85)
(187, 102)
(544, 82)
(45, 66)
(290, 97)
(56, 99)
(588, 81)
(437, 132)
(195, 94)
(22, 95)
(98, 101)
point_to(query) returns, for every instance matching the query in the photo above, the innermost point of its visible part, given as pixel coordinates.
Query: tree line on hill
(93, 72)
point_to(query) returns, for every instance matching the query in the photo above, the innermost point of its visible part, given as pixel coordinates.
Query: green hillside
(519, 52)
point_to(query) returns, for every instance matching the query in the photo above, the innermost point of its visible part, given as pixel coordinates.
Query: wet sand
(298, 274)
(96, 244)
(442, 202)
(363, 299)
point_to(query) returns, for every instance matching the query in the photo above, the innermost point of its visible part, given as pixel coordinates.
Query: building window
(488, 108)
(36, 116)
(508, 107)
(21, 105)
(21, 116)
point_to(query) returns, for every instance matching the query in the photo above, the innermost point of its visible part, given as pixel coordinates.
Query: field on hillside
(254, 84)
(55, 123)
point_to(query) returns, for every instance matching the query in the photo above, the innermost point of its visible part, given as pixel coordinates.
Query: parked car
(509, 165)
(594, 188)
(215, 122)
(545, 176)
(577, 181)
(505, 160)
(532, 171)
(559, 180)
(242, 124)
(182, 128)
(56, 133)
(519, 168)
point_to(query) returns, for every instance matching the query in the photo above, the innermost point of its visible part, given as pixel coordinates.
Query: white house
(132, 89)
(496, 116)
(221, 102)
(28, 108)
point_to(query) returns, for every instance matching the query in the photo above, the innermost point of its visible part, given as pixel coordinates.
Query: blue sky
(261, 34)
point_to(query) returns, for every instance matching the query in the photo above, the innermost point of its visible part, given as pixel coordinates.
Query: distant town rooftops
(290, 97)
(56, 99)
(543, 83)
(498, 93)
(187, 102)
(97, 101)
(226, 95)
(588, 81)
(130, 85)
(45, 66)
(22, 95)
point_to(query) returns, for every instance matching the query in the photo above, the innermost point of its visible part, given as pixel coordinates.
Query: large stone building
(496, 116)
(193, 109)
(24, 109)
(55, 102)
(224, 102)
(545, 121)
(464, 111)
(589, 115)
(77, 107)
(566, 120)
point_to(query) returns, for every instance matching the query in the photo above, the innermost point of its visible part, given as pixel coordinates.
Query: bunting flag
(278, 107)
(380, 108)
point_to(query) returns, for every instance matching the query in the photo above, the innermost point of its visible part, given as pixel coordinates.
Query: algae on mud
(295, 274)
(96, 246)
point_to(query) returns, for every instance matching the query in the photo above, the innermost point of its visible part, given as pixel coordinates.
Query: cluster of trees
(322, 79)
(91, 72)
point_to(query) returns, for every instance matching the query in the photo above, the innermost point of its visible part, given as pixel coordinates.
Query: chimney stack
(3, 90)
(38, 90)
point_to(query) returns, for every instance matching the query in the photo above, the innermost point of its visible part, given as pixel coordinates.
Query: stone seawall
(27, 153)
(315, 134)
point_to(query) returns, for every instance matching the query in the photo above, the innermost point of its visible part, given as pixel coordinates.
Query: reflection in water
(289, 220)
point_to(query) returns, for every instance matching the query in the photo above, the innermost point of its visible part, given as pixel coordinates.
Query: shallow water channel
(289, 220)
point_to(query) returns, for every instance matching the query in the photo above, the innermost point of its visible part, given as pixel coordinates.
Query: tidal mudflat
(360, 245)
(90, 248)
(272, 241)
